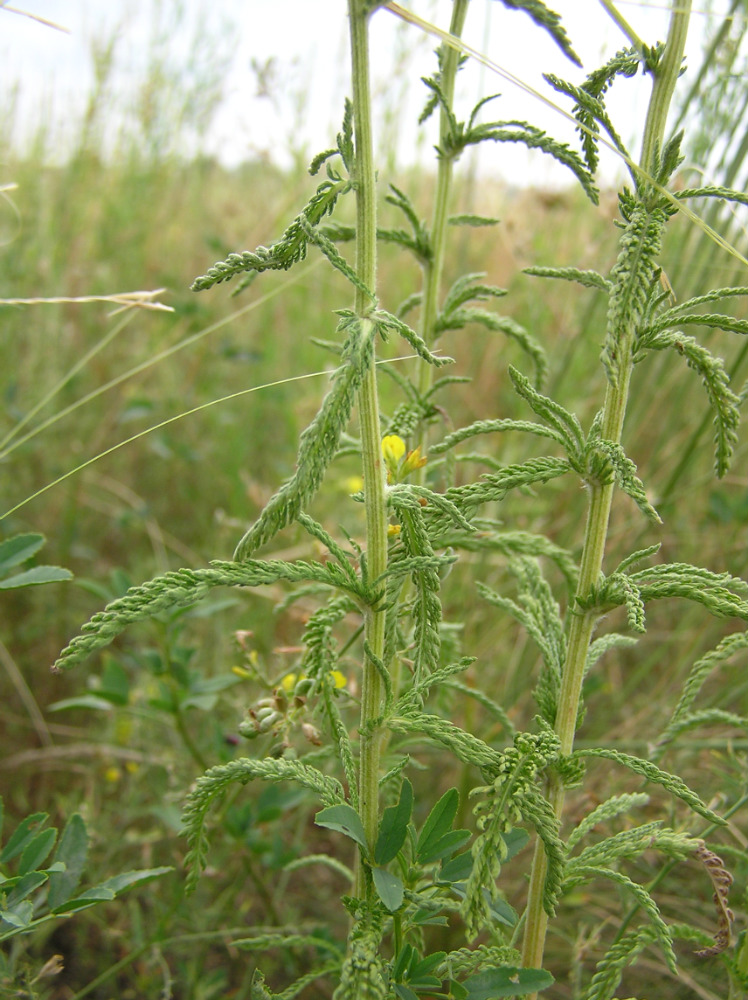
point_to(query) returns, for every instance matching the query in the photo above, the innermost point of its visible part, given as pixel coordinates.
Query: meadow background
(136, 213)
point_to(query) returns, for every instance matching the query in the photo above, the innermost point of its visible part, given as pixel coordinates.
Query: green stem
(623, 24)
(598, 515)
(434, 268)
(373, 469)
(665, 80)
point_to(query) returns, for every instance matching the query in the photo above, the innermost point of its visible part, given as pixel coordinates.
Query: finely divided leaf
(319, 442)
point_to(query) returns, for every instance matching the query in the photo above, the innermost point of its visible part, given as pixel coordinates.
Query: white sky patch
(283, 69)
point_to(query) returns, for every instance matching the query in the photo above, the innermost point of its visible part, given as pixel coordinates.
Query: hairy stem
(622, 23)
(434, 268)
(665, 80)
(374, 483)
(598, 515)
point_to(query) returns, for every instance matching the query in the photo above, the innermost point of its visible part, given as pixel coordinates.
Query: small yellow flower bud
(414, 460)
(393, 449)
(289, 682)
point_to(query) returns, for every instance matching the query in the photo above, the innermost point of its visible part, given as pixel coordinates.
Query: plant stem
(373, 469)
(434, 268)
(598, 515)
(623, 24)
(665, 80)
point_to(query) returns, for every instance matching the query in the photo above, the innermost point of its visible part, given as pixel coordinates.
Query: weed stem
(601, 495)
(374, 484)
(434, 268)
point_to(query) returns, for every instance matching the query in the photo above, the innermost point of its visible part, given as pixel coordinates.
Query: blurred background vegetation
(164, 703)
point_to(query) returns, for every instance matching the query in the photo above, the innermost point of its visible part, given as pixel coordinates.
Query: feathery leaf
(319, 442)
(216, 779)
(183, 587)
(670, 782)
(287, 251)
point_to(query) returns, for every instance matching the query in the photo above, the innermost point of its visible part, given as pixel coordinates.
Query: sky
(281, 69)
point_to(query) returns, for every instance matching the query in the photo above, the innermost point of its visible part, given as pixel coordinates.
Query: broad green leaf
(115, 684)
(18, 549)
(344, 819)
(500, 910)
(515, 840)
(506, 983)
(84, 701)
(25, 832)
(37, 850)
(503, 912)
(457, 869)
(442, 848)
(389, 888)
(21, 916)
(404, 992)
(404, 961)
(111, 888)
(427, 964)
(71, 851)
(204, 702)
(88, 898)
(24, 887)
(36, 576)
(393, 828)
(118, 883)
(439, 821)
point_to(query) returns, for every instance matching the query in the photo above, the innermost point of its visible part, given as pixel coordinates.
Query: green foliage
(670, 782)
(724, 402)
(549, 21)
(319, 442)
(19, 549)
(216, 779)
(511, 797)
(185, 587)
(38, 886)
(683, 716)
(292, 246)
(632, 280)
(378, 612)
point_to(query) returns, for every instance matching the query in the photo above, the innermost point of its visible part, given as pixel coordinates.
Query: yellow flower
(393, 530)
(413, 460)
(399, 464)
(393, 449)
(289, 682)
(112, 775)
(241, 672)
(340, 679)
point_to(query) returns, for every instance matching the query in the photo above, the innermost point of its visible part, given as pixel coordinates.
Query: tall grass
(185, 493)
